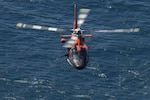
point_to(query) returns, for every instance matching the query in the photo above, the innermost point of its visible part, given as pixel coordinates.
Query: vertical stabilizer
(75, 18)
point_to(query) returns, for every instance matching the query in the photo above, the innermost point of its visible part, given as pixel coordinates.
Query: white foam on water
(10, 98)
(133, 72)
(21, 81)
(4, 79)
(109, 95)
(83, 96)
(102, 75)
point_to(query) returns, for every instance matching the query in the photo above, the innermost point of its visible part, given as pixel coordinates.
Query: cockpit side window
(79, 32)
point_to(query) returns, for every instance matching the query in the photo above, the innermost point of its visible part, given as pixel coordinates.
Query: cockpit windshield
(79, 55)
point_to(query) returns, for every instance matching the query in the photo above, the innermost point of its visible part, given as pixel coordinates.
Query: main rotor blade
(70, 43)
(120, 30)
(38, 27)
(83, 13)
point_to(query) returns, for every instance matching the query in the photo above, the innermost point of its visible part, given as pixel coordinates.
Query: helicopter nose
(79, 63)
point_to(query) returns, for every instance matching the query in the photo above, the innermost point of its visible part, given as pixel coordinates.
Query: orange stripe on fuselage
(79, 43)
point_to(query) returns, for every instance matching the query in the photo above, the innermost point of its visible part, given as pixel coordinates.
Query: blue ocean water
(32, 65)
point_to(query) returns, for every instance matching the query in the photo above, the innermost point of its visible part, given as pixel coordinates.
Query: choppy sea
(33, 65)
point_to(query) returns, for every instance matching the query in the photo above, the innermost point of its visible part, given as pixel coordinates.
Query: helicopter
(77, 50)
